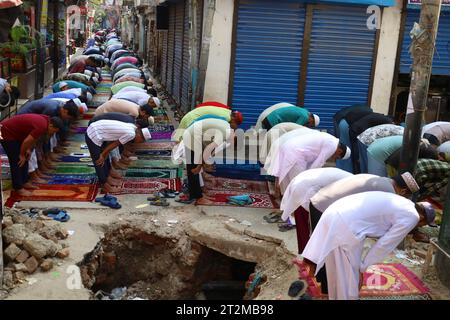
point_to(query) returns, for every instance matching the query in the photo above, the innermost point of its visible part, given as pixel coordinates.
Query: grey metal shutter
(340, 61)
(171, 49)
(164, 52)
(178, 59)
(441, 59)
(267, 57)
(186, 75)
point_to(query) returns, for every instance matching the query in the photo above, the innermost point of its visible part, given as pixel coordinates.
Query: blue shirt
(61, 94)
(382, 148)
(42, 106)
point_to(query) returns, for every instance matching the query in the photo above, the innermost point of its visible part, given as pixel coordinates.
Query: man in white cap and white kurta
(338, 240)
(403, 185)
(311, 151)
(295, 202)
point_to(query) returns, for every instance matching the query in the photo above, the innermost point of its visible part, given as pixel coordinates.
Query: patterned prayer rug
(152, 163)
(74, 170)
(383, 281)
(72, 179)
(147, 186)
(161, 135)
(75, 159)
(103, 89)
(154, 173)
(154, 153)
(161, 128)
(57, 193)
(155, 145)
(260, 200)
(240, 171)
(159, 112)
(235, 184)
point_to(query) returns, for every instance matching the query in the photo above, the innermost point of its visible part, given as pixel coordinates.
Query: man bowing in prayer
(311, 151)
(338, 240)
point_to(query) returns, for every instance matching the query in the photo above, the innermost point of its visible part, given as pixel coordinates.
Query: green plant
(21, 40)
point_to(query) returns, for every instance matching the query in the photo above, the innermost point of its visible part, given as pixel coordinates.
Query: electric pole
(422, 51)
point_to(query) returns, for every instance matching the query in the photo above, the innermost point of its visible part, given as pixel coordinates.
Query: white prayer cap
(106, 60)
(151, 120)
(348, 154)
(89, 96)
(410, 182)
(157, 101)
(63, 84)
(316, 120)
(88, 72)
(146, 134)
(77, 102)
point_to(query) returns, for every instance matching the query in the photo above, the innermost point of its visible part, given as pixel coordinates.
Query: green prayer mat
(74, 169)
(163, 164)
(163, 173)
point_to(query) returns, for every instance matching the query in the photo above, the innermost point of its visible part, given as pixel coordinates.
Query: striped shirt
(111, 130)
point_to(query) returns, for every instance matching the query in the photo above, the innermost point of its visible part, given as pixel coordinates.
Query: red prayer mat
(226, 184)
(382, 281)
(57, 192)
(260, 200)
(147, 186)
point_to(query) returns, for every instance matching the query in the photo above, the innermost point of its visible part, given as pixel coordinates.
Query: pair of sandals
(184, 199)
(57, 214)
(273, 217)
(33, 213)
(109, 201)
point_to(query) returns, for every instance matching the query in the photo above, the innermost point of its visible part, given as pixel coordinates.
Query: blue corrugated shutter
(178, 57)
(268, 53)
(340, 61)
(441, 60)
(186, 77)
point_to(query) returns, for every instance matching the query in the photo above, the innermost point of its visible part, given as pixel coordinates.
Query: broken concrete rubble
(15, 234)
(29, 244)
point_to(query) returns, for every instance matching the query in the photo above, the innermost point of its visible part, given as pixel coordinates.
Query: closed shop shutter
(171, 49)
(186, 76)
(441, 59)
(268, 54)
(340, 61)
(163, 44)
(178, 58)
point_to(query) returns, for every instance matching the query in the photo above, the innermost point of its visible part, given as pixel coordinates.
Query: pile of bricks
(30, 244)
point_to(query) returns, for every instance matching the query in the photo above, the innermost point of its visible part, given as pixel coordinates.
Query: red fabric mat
(385, 281)
(56, 192)
(148, 186)
(260, 200)
(227, 184)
